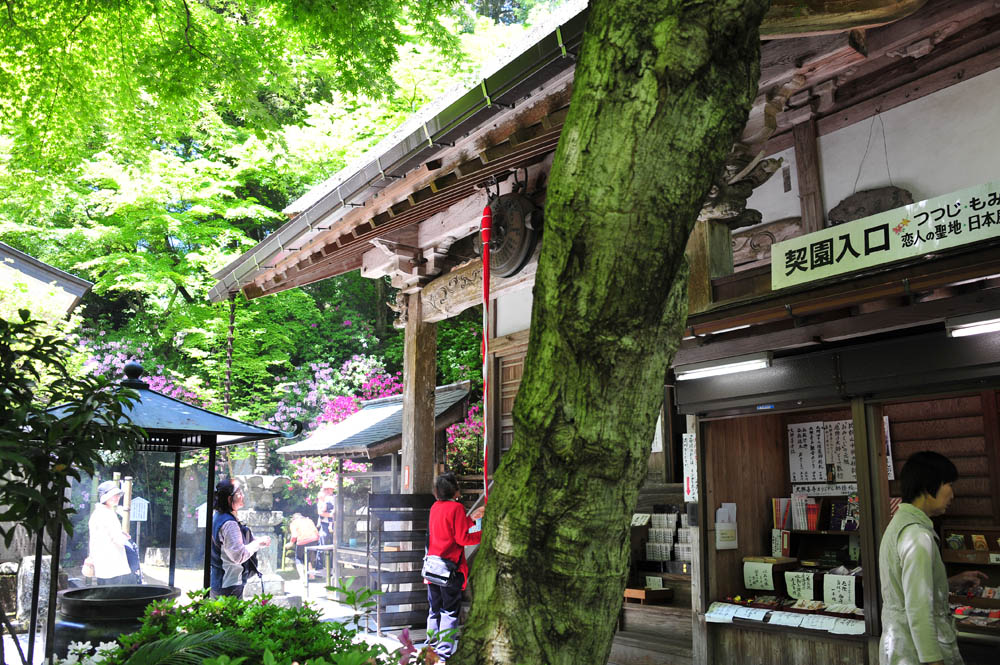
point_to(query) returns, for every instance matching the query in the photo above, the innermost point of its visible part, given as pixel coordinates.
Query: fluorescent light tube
(724, 366)
(973, 324)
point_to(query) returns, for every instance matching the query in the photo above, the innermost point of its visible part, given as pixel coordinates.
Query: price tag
(848, 627)
(640, 519)
(751, 613)
(785, 619)
(818, 622)
(800, 585)
(839, 590)
(759, 576)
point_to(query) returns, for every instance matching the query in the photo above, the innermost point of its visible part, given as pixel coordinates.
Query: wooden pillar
(700, 649)
(873, 486)
(419, 373)
(807, 169)
(710, 254)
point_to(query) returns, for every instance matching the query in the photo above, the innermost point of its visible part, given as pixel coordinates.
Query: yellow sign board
(961, 218)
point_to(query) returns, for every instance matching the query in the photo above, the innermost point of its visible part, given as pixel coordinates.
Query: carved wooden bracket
(462, 288)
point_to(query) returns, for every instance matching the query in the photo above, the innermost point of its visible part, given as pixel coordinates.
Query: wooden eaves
(443, 159)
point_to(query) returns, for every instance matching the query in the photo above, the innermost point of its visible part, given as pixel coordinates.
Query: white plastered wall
(513, 312)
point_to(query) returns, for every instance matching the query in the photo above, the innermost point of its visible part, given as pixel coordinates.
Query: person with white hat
(107, 540)
(326, 510)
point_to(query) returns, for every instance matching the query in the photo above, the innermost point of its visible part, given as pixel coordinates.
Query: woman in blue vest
(233, 543)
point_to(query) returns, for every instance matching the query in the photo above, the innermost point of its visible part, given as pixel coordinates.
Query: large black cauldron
(98, 614)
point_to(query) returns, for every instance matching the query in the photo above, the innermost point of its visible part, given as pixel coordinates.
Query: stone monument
(263, 521)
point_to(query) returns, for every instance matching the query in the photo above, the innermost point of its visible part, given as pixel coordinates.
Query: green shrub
(270, 635)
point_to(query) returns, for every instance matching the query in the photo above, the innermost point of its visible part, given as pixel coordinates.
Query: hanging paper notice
(839, 590)
(848, 627)
(807, 453)
(750, 613)
(721, 613)
(785, 619)
(689, 458)
(839, 439)
(658, 436)
(888, 448)
(759, 576)
(654, 582)
(800, 585)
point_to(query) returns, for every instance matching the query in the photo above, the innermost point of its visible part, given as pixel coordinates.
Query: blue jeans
(446, 603)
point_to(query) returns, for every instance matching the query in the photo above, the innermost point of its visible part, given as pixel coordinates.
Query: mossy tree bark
(662, 91)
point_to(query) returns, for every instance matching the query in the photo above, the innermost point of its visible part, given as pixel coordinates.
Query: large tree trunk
(662, 91)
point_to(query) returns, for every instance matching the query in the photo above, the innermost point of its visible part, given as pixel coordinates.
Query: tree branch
(187, 30)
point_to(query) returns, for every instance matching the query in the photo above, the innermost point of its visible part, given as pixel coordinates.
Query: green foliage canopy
(42, 450)
(74, 72)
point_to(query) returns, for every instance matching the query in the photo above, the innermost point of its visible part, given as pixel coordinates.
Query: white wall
(937, 144)
(771, 199)
(513, 312)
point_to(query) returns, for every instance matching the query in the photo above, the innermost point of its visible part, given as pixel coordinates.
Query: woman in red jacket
(448, 534)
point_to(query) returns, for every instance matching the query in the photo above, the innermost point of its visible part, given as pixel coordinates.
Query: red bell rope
(485, 229)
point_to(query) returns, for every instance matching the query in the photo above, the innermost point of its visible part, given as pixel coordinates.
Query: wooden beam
(888, 73)
(793, 18)
(941, 15)
(351, 248)
(974, 264)
(461, 288)
(502, 346)
(808, 170)
(911, 91)
(816, 58)
(898, 318)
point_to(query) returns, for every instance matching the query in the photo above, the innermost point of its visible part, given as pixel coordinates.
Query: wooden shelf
(975, 601)
(824, 533)
(973, 557)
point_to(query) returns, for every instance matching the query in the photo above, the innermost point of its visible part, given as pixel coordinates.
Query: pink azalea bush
(464, 451)
(338, 409)
(108, 358)
(309, 473)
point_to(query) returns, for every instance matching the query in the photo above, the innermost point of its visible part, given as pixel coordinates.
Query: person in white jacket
(107, 540)
(917, 626)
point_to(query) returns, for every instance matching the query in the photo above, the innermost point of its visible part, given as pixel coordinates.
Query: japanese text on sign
(807, 453)
(818, 622)
(689, 459)
(848, 627)
(721, 612)
(785, 619)
(759, 576)
(839, 437)
(960, 218)
(750, 613)
(800, 585)
(838, 590)
(826, 489)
